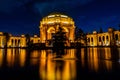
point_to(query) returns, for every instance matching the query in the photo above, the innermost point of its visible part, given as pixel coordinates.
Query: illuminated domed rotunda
(51, 24)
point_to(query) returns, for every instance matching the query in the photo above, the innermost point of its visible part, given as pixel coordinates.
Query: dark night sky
(23, 16)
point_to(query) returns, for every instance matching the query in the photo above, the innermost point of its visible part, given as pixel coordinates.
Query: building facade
(16, 41)
(51, 24)
(110, 38)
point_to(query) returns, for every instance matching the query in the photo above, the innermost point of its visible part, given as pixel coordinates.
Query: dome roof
(57, 15)
(57, 18)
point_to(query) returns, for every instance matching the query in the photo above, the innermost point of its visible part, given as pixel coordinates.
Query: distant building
(16, 41)
(50, 24)
(48, 27)
(110, 38)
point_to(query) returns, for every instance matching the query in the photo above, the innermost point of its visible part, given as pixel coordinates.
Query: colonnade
(103, 39)
(15, 41)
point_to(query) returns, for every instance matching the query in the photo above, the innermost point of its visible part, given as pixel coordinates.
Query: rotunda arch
(51, 23)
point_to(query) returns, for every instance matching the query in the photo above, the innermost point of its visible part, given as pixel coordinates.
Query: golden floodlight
(51, 23)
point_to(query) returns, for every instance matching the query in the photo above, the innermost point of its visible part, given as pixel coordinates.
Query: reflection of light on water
(43, 54)
(108, 65)
(15, 57)
(34, 57)
(22, 56)
(34, 54)
(1, 57)
(119, 60)
(119, 54)
(82, 57)
(57, 69)
(69, 70)
(50, 70)
(70, 53)
(10, 57)
(94, 56)
(93, 59)
(107, 53)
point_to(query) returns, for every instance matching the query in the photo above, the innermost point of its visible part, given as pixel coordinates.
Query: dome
(57, 15)
(51, 24)
(57, 18)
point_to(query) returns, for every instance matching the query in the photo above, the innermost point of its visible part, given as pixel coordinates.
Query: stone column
(109, 39)
(0, 41)
(23, 41)
(105, 40)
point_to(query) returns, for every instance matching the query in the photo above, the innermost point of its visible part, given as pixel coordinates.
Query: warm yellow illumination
(34, 57)
(10, 57)
(107, 53)
(50, 68)
(64, 16)
(22, 56)
(15, 56)
(93, 59)
(1, 57)
(16, 41)
(108, 65)
(1, 33)
(51, 24)
(83, 57)
(104, 39)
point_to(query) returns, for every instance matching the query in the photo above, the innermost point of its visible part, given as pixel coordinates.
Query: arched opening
(103, 38)
(66, 32)
(99, 39)
(15, 42)
(31, 41)
(91, 39)
(88, 39)
(38, 41)
(12, 41)
(107, 38)
(18, 42)
(116, 36)
(50, 33)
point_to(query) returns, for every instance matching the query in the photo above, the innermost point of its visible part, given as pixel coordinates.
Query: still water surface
(74, 64)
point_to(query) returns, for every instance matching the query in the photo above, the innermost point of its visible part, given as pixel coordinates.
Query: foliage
(59, 38)
(80, 35)
(28, 42)
(101, 31)
(7, 37)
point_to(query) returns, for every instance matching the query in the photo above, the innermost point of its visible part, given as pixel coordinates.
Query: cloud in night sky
(55, 5)
(7, 6)
(41, 6)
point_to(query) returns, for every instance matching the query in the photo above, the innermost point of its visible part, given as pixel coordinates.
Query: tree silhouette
(79, 35)
(59, 39)
(119, 27)
(101, 31)
(7, 37)
(28, 42)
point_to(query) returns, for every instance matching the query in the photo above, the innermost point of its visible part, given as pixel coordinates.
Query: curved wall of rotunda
(51, 23)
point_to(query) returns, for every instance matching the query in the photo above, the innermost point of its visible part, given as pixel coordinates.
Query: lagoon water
(73, 64)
